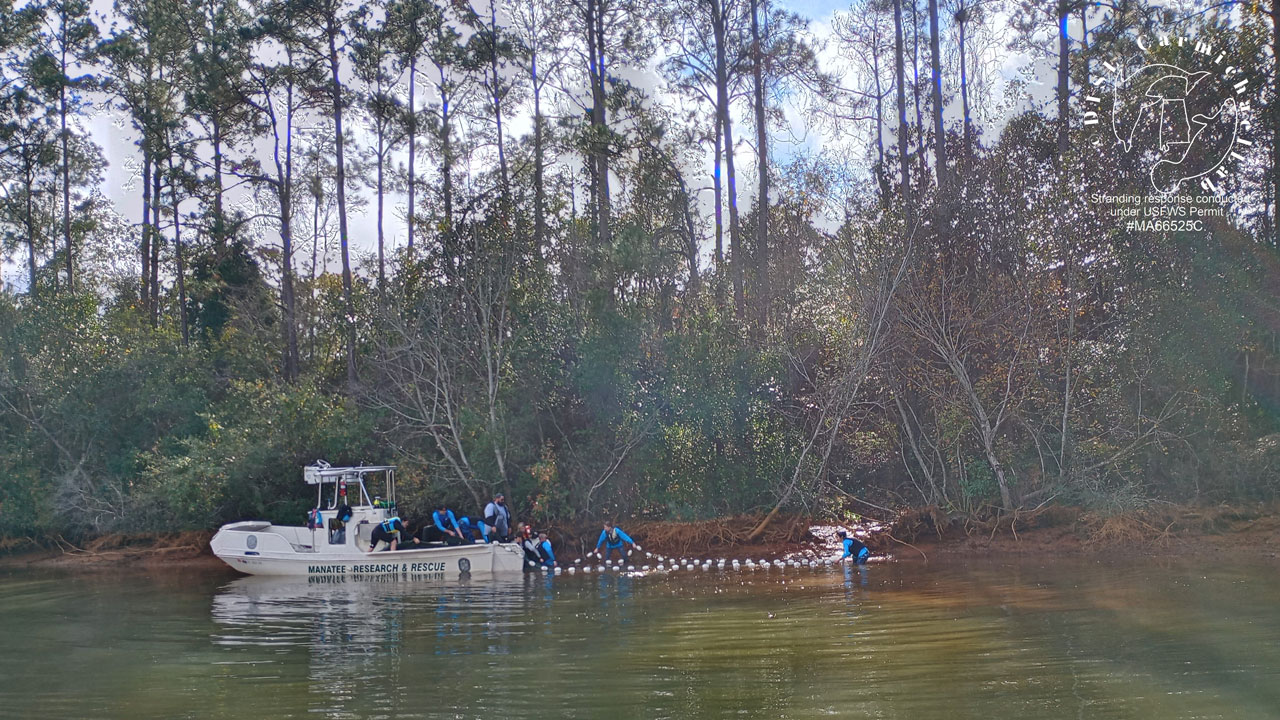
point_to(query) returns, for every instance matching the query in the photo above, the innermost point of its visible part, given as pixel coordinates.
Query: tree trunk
(939, 130)
(606, 195)
(177, 257)
(539, 162)
(964, 94)
(382, 265)
(287, 298)
(762, 168)
(718, 194)
(503, 176)
(446, 154)
(29, 221)
(691, 238)
(1064, 443)
(934, 497)
(593, 166)
(1275, 124)
(343, 239)
(695, 277)
(316, 186)
(64, 136)
(1084, 39)
(219, 218)
(988, 447)
(875, 71)
(720, 30)
(1064, 48)
(413, 142)
(156, 240)
(908, 201)
(599, 120)
(145, 244)
(915, 91)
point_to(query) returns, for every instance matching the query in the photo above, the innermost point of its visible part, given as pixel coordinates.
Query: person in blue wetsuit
(544, 551)
(469, 529)
(444, 526)
(613, 538)
(853, 548)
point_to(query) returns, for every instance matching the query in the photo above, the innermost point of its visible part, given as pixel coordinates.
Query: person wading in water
(853, 548)
(613, 538)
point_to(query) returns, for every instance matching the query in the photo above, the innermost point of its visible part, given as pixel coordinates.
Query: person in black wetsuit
(532, 548)
(545, 552)
(389, 531)
(853, 548)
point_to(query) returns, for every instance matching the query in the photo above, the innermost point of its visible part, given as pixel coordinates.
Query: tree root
(904, 542)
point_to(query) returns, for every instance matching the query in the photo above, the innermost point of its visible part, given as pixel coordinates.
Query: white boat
(329, 547)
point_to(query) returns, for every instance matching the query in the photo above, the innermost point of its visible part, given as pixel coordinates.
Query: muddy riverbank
(916, 535)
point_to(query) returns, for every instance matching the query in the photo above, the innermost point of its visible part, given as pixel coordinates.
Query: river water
(1062, 638)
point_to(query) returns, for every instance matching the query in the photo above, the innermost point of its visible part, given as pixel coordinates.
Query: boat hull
(270, 556)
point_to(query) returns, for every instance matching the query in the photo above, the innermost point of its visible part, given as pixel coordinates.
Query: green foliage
(723, 445)
(246, 460)
(93, 396)
(978, 483)
(1001, 340)
(112, 426)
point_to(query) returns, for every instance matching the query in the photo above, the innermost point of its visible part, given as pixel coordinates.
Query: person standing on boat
(389, 531)
(498, 517)
(612, 537)
(544, 551)
(338, 525)
(853, 548)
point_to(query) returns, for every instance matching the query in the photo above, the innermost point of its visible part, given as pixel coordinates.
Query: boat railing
(322, 473)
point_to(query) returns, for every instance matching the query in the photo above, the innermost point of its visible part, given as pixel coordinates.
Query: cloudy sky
(113, 133)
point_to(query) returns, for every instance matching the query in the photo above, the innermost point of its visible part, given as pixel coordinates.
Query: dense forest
(678, 260)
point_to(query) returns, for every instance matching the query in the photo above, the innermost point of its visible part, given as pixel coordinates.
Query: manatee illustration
(1151, 110)
(1212, 135)
(1154, 93)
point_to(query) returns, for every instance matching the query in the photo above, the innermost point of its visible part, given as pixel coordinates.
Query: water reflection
(859, 571)
(973, 639)
(369, 645)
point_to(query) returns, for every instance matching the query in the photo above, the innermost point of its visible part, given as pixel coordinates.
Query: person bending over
(389, 531)
(469, 529)
(853, 548)
(444, 526)
(613, 538)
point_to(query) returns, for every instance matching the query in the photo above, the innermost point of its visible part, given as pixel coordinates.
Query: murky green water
(985, 639)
